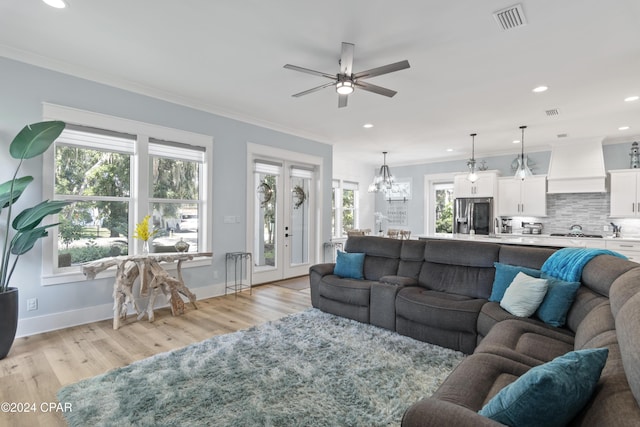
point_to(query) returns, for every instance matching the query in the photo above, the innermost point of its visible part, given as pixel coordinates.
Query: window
(93, 170)
(344, 208)
(349, 201)
(174, 193)
(115, 174)
(335, 193)
(444, 208)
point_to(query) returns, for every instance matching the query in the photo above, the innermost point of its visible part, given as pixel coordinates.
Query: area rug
(306, 369)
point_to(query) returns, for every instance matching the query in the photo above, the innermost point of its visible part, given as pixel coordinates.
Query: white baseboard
(51, 322)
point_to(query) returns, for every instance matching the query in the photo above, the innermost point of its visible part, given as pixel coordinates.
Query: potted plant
(20, 234)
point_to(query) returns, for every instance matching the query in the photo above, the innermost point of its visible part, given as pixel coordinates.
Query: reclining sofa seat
(453, 285)
(523, 256)
(351, 297)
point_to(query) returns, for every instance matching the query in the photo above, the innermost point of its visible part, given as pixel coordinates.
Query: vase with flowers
(144, 233)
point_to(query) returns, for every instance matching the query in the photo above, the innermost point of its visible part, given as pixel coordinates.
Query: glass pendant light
(523, 170)
(471, 164)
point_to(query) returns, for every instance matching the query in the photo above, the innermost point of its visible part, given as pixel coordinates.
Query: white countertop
(536, 239)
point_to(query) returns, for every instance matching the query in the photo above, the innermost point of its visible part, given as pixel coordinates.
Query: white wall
(24, 88)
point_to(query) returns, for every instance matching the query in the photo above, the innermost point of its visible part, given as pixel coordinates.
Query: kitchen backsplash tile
(590, 210)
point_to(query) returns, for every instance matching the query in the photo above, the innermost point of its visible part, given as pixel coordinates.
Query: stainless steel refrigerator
(473, 215)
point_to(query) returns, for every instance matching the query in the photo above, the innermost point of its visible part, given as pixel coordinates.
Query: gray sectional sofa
(437, 291)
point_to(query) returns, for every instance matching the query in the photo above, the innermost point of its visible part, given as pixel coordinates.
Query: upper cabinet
(485, 186)
(522, 198)
(625, 200)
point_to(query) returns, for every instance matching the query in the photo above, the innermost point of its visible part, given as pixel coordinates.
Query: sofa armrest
(399, 280)
(434, 412)
(316, 273)
(322, 269)
(382, 306)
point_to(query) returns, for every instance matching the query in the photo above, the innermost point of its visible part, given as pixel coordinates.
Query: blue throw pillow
(551, 394)
(556, 304)
(349, 265)
(505, 274)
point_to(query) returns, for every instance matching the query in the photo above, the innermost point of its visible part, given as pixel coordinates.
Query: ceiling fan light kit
(346, 81)
(344, 88)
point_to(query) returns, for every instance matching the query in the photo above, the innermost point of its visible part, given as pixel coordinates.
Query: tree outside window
(444, 208)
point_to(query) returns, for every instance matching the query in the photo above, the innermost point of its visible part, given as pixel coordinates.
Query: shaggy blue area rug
(307, 369)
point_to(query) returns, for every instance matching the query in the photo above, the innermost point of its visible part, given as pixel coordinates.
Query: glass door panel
(266, 235)
(299, 236)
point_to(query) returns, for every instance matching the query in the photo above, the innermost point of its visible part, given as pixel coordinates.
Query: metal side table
(331, 248)
(242, 268)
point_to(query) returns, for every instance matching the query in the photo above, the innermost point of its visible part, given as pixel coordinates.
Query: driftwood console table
(153, 280)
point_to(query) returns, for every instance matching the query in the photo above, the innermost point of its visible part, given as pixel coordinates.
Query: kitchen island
(630, 247)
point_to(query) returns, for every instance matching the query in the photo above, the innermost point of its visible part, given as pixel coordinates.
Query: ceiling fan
(346, 80)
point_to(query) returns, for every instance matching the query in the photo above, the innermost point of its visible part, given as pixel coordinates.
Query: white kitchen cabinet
(625, 200)
(522, 198)
(628, 248)
(485, 186)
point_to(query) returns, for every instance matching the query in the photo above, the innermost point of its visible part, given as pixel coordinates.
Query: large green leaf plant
(32, 141)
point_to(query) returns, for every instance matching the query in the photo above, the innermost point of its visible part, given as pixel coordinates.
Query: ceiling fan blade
(390, 68)
(308, 71)
(315, 89)
(342, 100)
(375, 89)
(346, 59)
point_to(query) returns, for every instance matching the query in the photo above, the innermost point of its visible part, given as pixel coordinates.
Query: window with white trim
(114, 177)
(344, 206)
(335, 190)
(349, 206)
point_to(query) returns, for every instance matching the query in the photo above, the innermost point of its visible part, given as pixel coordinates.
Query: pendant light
(523, 170)
(383, 181)
(471, 164)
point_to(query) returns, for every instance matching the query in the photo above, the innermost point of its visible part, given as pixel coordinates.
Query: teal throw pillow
(349, 265)
(551, 394)
(556, 304)
(505, 274)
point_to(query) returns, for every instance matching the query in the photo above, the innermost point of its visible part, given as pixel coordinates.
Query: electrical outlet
(605, 228)
(215, 274)
(32, 304)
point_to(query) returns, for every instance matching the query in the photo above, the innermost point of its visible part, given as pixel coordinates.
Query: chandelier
(383, 181)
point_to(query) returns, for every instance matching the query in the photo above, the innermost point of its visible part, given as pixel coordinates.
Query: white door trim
(259, 151)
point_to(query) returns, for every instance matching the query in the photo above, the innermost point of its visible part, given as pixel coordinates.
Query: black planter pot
(8, 320)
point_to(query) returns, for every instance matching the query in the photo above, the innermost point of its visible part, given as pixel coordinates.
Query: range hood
(577, 167)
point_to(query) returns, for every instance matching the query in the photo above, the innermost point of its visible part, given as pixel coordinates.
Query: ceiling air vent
(562, 135)
(552, 112)
(510, 17)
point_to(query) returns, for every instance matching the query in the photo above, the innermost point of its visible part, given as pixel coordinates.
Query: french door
(284, 221)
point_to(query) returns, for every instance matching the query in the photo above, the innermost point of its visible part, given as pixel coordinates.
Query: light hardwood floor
(39, 365)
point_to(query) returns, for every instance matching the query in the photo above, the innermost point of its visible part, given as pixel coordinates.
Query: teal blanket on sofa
(567, 263)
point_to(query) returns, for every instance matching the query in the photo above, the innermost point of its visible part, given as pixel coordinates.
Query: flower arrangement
(142, 230)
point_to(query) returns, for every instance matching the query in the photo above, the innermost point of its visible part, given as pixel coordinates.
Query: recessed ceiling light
(632, 98)
(367, 125)
(623, 128)
(58, 4)
(449, 150)
(540, 89)
(516, 141)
